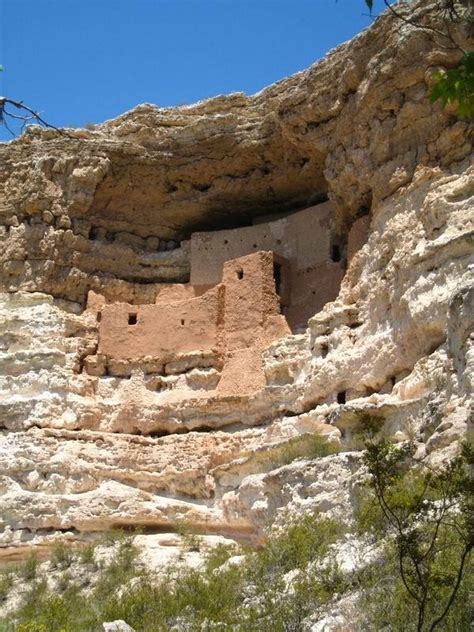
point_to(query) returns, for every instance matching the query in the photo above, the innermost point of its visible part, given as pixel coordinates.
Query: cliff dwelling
(205, 311)
(249, 287)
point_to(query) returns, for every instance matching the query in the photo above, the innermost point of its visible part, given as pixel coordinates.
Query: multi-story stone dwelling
(249, 286)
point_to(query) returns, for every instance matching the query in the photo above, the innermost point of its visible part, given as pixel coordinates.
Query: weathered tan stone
(161, 440)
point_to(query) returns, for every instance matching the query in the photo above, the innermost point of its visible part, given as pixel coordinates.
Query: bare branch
(28, 115)
(430, 29)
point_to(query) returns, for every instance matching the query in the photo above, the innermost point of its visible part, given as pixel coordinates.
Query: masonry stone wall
(163, 330)
(235, 306)
(304, 239)
(228, 325)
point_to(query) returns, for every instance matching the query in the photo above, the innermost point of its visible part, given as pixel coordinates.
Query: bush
(6, 582)
(62, 556)
(87, 555)
(248, 596)
(29, 568)
(305, 540)
(120, 571)
(427, 520)
(218, 555)
(306, 446)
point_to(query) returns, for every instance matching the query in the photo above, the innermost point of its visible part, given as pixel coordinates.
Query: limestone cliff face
(112, 209)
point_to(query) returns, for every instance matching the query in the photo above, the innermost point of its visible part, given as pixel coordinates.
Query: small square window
(132, 319)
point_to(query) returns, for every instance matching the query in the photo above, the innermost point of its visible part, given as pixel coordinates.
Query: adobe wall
(179, 292)
(303, 239)
(241, 310)
(251, 303)
(232, 321)
(252, 320)
(311, 289)
(162, 331)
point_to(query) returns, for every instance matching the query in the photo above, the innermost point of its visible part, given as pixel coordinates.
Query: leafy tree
(456, 85)
(428, 517)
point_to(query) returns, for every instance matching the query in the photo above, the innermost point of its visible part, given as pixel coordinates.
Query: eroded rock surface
(111, 210)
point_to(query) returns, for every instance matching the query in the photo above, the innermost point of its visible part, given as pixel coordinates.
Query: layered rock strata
(112, 210)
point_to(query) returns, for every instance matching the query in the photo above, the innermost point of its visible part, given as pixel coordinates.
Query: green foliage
(456, 86)
(303, 541)
(29, 568)
(112, 536)
(121, 570)
(369, 427)
(386, 605)
(43, 609)
(6, 582)
(87, 555)
(306, 446)
(298, 550)
(247, 594)
(62, 556)
(218, 555)
(190, 540)
(427, 518)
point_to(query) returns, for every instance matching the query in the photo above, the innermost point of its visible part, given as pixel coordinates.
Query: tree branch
(30, 116)
(429, 29)
(459, 577)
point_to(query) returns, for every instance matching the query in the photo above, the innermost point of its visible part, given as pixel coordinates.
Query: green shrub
(62, 556)
(120, 570)
(427, 520)
(64, 581)
(248, 596)
(31, 627)
(305, 540)
(218, 555)
(51, 612)
(191, 542)
(386, 605)
(29, 568)
(86, 555)
(306, 446)
(6, 582)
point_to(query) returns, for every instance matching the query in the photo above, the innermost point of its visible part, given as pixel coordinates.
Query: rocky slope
(111, 210)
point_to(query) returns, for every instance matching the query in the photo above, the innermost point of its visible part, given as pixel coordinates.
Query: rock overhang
(321, 133)
(352, 117)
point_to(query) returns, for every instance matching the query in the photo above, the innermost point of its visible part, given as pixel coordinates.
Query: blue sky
(85, 61)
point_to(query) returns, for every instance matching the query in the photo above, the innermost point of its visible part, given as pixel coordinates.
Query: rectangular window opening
(336, 253)
(341, 397)
(132, 319)
(277, 278)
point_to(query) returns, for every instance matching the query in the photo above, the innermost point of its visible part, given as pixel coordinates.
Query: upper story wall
(304, 239)
(252, 309)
